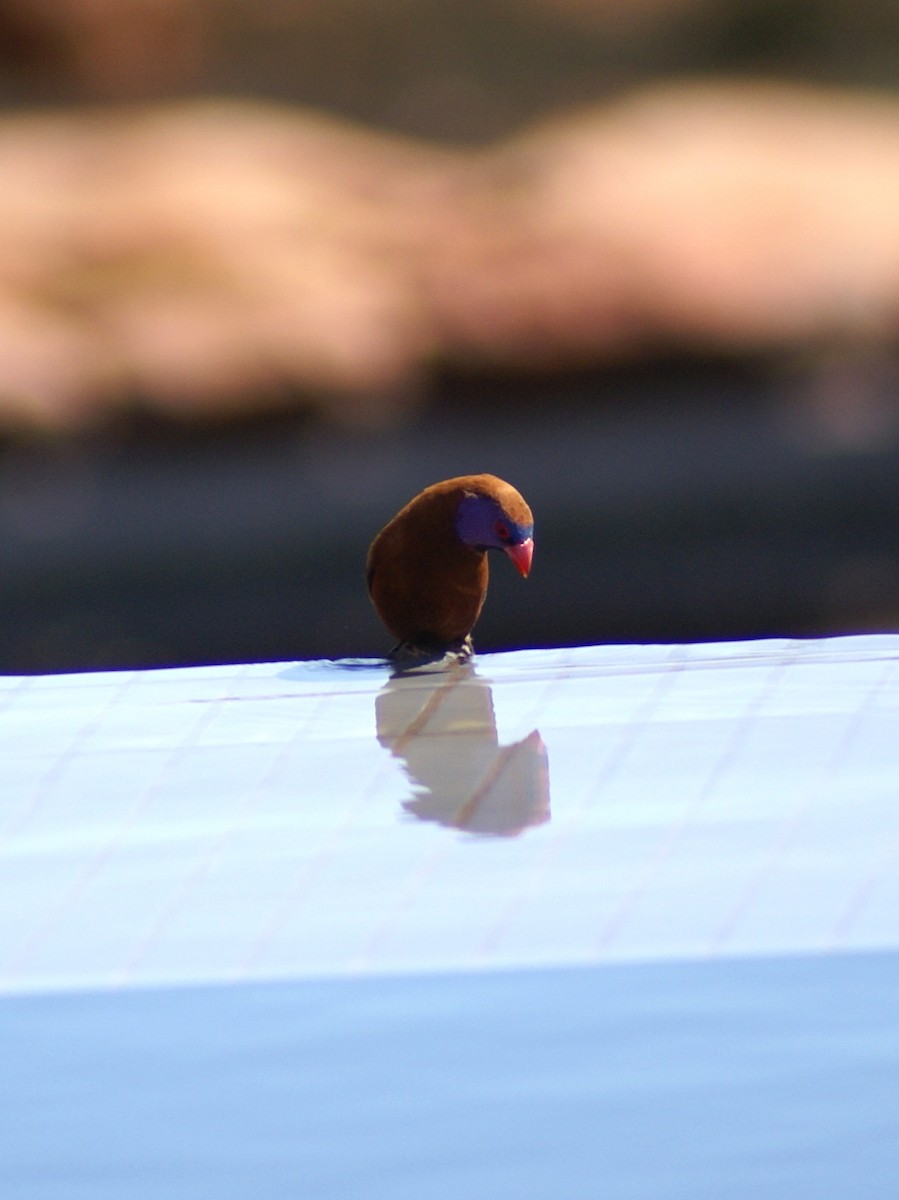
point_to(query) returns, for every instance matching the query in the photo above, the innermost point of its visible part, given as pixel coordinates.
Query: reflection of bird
(442, 729)
(427, 568)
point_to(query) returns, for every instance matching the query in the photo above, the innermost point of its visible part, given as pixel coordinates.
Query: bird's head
(486, 523)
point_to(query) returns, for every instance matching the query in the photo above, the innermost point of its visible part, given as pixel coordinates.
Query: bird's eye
(502, 531)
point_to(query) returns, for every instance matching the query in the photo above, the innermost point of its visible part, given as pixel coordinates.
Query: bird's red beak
(521, 555)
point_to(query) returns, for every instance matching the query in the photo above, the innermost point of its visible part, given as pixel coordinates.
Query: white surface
(698, 850)
(747, 1079)
(291, 821)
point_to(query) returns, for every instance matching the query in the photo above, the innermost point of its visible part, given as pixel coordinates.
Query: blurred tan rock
(707, 217)
(219, 257)
(207, 258)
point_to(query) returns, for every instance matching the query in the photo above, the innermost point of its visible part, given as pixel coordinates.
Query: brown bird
(427, 568)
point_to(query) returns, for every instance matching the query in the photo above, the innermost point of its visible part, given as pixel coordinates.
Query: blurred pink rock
(218, 257)
(706, 216)
(208, 258)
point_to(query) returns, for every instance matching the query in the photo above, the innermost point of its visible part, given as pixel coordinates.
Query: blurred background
(268, 267)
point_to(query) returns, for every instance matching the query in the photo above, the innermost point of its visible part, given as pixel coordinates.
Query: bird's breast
(429, 595)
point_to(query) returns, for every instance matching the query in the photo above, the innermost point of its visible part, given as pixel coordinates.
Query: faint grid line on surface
(282, 911)
(9, 696)
(46, 924)
(505, 752)
(9, 700)
(59, 762)
(882, 861)
(214, 848)
(616, 922)
(561, 830)
(367, 958)
(831, 766)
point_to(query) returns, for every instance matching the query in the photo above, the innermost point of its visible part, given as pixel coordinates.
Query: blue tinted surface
(756, 1078)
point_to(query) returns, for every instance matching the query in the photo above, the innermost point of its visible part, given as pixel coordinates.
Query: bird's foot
(409, 656)
(462, 651)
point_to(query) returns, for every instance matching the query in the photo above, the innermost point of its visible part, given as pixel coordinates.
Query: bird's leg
(461, 651)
